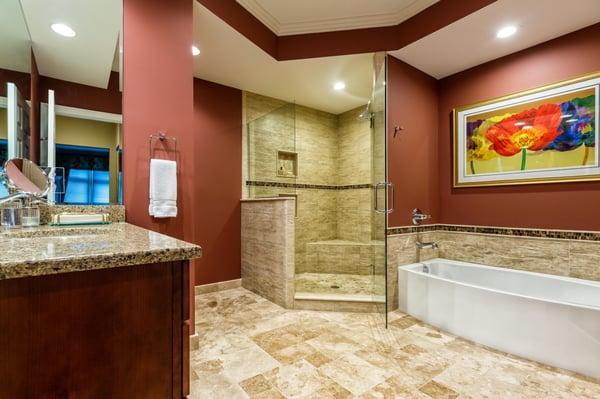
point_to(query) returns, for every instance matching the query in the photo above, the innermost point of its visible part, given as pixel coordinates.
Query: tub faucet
(418, 216)
(426, 245)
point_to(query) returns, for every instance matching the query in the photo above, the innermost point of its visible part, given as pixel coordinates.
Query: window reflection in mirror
(88, 151)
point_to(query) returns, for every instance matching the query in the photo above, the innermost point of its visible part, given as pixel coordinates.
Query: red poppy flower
(532, 129)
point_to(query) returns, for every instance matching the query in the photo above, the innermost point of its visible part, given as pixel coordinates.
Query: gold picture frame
(553, 127)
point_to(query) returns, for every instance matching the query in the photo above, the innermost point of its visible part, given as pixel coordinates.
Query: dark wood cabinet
(112, 333)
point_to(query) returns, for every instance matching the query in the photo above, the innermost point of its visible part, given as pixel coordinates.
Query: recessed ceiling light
(63, 30)
(506, 31)
(195, 51)
(339, 86)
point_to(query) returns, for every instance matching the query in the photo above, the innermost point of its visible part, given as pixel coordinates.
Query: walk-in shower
(335, 168)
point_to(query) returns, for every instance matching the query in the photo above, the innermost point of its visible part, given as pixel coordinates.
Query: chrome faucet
(427, 245)
(418, 216)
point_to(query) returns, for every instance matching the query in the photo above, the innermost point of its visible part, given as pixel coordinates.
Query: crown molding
(334, 24)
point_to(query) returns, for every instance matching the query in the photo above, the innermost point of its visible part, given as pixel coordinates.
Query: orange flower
(533, 130)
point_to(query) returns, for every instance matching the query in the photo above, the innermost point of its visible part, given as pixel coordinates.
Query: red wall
(412, 154)
(561, 205)
(82, 96)
(20, 79)
(353, 41)
(217, 181)
(157, 41)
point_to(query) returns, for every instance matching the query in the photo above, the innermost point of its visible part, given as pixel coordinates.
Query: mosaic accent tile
(507, 231)
(350, 355)
(254, 183)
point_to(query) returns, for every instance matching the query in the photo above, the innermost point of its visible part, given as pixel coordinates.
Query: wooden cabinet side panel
(103, 333)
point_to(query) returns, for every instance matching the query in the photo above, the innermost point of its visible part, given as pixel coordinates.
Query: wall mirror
(65, 66)
(15, 68)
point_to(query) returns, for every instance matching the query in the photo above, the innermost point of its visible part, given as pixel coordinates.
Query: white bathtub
(553, 320)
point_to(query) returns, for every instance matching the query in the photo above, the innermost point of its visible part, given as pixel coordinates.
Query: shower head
(366, 114)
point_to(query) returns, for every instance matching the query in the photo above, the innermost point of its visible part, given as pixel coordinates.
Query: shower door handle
(390, 209)
(378, 186)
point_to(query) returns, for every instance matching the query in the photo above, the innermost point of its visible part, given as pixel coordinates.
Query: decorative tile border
(255, 183)
(507, 231)
(412, 229)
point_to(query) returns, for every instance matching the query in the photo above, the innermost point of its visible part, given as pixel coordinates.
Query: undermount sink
(55, 232)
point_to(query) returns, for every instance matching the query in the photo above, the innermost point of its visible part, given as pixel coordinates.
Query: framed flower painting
(545, 135)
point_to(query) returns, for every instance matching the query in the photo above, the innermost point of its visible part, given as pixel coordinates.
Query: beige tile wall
(315, 220)
(402, 251)
(572, 258)
(354, 148)
(332, 150)
(268, 249)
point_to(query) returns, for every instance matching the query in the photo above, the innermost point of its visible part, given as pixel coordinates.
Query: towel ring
(160, 137)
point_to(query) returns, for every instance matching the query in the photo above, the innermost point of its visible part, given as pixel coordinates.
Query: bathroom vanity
(94, 312)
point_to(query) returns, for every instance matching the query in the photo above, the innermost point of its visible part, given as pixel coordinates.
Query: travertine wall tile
(268, 249)
(531, 254)
(332, 150)
(584, 260)
(354, 148)
(402, 250)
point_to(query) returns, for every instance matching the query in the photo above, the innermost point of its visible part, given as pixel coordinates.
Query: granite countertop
(47, 250)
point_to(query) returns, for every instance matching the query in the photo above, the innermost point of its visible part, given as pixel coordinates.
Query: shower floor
(340, 286)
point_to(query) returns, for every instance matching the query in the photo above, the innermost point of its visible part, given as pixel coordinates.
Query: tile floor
(252, 348)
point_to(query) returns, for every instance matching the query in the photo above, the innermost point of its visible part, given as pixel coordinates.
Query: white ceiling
(15, 54)
(472, 40)
(288, 17)
(230, 59)
(86, 58)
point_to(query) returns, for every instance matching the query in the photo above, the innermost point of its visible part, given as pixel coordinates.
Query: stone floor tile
(355, 374)
(251, 348)
(256, 385)
(438, 391)
(247, 363)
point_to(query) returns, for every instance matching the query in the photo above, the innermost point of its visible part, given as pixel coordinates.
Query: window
(86, 175)
(87, 187)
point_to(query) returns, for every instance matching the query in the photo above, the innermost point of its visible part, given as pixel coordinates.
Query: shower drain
(335, 286)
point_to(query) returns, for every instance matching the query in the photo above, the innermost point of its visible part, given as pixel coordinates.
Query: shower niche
(287, 164)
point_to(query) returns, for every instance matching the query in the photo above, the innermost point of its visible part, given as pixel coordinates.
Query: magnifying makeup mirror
(25, 179)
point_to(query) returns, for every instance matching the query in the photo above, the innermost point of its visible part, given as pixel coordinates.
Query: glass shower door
(381, 187)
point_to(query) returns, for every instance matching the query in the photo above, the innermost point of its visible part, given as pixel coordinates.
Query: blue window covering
(87, 187)
(3, 190)
(86, 175)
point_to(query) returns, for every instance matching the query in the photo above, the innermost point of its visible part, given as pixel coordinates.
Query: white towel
(163, 188)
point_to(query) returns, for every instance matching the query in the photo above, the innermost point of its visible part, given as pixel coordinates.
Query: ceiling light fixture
(565, 116)
(339, 86)
(572, 120)
(519, 123)
(506, 31)
(195, 51)
(63, 30)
